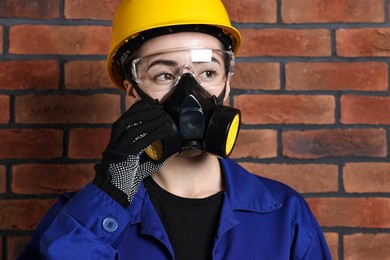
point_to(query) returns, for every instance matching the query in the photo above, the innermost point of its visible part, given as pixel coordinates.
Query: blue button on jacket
(260, 219)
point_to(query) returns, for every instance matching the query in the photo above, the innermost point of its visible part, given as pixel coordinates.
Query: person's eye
(164, 77)
(208, 74)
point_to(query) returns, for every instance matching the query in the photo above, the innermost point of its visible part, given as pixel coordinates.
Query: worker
(165, 187)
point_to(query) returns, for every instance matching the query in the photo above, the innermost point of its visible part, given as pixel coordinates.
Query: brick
(366, 177)
(366, 42)
(16, 245)
(364, 109)
(248, 11)
(4, 109)
(88, 9)
(30, 143)
(37, 74)
(252, 75)
(351, 212)
(53, 39)
(3, 179)
(22, 214)
(366, 246)
(1, 42)
(256, 144)
(65, 109)
(49, 178)
(332, 239)
(33, 9)
(364, 76)
(88, 143)
(86, 75)
(285, 109)
(327, 11)
(285, 42)
(314, 144)
(305, 178)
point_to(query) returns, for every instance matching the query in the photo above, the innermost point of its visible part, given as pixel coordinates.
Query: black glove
(124, 164)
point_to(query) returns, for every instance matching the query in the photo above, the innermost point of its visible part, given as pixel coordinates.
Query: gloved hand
(124, 164)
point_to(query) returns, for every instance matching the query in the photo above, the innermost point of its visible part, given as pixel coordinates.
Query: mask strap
(140, 92)
(221, 96)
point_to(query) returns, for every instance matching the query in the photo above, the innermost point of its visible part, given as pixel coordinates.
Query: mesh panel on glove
(128, 175)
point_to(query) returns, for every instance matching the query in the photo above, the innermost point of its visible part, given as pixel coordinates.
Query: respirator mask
(204, 124)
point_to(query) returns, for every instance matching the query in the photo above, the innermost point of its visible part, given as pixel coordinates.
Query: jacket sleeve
(309, 242)
(85, 227)
(318, 248)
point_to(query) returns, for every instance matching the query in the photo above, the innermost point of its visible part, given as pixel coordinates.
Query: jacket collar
(245, 190)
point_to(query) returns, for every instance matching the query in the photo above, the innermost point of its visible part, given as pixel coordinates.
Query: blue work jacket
(260, 219)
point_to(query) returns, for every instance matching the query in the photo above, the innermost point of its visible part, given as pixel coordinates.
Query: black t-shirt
(191, 224)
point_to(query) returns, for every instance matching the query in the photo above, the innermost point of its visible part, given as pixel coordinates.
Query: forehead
(179, 40)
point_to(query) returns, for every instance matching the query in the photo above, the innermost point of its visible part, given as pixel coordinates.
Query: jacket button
(110, 224)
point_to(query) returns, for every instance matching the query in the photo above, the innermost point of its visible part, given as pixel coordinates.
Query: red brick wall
(312, 81)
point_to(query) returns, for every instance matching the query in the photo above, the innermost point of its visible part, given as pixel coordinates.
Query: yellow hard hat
(133, 17)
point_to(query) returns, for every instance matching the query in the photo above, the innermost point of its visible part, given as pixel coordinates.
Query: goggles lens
(162, 71)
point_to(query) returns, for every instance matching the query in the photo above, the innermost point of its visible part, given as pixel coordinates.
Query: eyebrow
(170, 63)
(213, 59)
(173, 63)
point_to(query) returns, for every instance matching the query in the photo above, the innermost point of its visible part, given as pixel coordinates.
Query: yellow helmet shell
(135, 16)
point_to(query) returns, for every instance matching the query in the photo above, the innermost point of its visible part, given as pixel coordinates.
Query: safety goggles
(162, 71)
